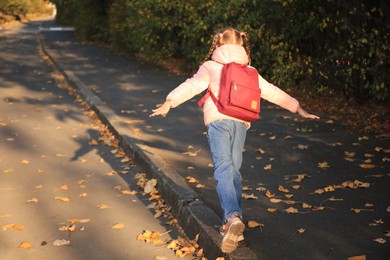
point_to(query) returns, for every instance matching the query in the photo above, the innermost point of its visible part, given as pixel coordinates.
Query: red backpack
(239, 94)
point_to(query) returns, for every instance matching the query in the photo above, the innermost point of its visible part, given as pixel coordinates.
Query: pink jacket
(209, 74)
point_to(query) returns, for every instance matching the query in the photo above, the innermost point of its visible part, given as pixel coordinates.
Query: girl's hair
(230, 36)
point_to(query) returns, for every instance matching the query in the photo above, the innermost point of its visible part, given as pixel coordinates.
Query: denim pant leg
(226, 139)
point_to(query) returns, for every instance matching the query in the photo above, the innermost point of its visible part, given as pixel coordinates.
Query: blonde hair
(230, 36)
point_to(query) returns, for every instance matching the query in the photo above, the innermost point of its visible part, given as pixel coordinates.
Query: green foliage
(18, 9)
(14, 7)
(317, 45)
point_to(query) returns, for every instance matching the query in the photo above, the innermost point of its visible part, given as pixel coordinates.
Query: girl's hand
(305, 114)
(163, 110)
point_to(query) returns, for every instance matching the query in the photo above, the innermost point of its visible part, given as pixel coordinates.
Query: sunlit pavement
(63, 194)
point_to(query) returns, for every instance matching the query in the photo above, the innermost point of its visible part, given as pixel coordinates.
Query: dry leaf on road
(25, 245)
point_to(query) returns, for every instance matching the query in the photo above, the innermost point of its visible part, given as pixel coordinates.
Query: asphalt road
(53, 175)
(338, 182)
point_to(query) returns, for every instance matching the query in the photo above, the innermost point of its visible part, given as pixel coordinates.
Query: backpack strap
(208, 94)
(205, 97)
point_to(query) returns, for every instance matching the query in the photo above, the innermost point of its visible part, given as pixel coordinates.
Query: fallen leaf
(64, 187)
(25, 245)
(192, 154)
(103, 206)
(301, 230)
(359, 210)
(158, 213)
(249, 196)
(83, 195)
(78, 220)
(25, 162)
(33, 200)
(380, 240)
(129, 192)
(40, 171)
(93, 142)
(268, 167)
(61, 242)
(150, 186)
(291, 210)
(118, 226)
(323, 165)
(367, 166)
(274, 200)
(282, 189)
(63, 199)
(358, 257)
(191, 179)
(254, 224)
(302, 147)
(272, 210)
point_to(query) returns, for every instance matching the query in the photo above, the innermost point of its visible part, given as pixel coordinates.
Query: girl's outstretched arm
(305, 114)
(163, 110)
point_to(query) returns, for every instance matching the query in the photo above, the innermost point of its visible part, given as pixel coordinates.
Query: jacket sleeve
(277, 96)
(191, 87)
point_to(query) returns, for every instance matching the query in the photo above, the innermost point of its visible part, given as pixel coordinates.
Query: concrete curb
(193, 215)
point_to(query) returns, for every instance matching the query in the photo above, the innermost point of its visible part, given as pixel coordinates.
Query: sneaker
(222, 232)
(233, 229)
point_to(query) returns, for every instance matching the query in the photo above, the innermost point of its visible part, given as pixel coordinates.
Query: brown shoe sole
(230, 240)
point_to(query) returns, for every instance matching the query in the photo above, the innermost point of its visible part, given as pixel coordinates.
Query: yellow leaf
(367, 166)
(319, 191)
(261, 151)
(249, 196)
(129, 192)
(158, 213)
(78, 220)
(269, 195)
(295, 187)
(118, 226)
(18, 227)
(268, 167)
(291, 210)
(306, 206)
(274, 200)
(40, 170)
(103, 206)
(282, 189)
(25, 162)
(191, 179)
(7, 226)
(83, 195)
(323, 165)
(301, 230)
(272, 137)
(64, 187)
(272, 210)
(63, 199)
(25, 245)
(254, 224)
(358, 257)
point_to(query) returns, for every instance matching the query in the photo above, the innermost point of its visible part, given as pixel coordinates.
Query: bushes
(316, 45)
(17, 9)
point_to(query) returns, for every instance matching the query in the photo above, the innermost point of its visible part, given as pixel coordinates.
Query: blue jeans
(226, 139)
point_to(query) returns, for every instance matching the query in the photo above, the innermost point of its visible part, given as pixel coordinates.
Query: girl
(226, 135)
